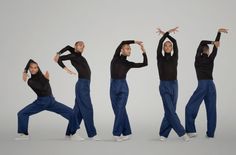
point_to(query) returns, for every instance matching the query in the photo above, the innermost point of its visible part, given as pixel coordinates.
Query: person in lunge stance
(39, 82)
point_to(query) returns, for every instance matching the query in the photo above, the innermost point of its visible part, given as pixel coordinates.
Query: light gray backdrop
(38, 29)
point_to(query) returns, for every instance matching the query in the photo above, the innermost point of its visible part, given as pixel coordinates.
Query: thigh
(32, 108)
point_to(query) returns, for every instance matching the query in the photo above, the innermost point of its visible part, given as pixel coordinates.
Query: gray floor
(144, 141)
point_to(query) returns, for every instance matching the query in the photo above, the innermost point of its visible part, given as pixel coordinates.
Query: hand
(223, 30)
(56, 57)
(46, 75)
(142, 48)
(138, 42)
(69, 71)
(216, 43)
(160, 32)
(25, 76)
(174, 30)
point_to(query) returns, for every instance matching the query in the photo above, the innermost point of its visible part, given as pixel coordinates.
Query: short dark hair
(205, 48)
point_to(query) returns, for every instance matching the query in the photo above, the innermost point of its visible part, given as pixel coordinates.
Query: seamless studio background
(38, 29)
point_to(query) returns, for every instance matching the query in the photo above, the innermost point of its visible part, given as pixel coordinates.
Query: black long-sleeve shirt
(167, 63)
(38, 82)
(120, 65)
(77, 60)
(204, 64)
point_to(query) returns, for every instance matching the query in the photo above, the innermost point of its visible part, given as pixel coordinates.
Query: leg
(75, 121)
(120, 115)
(210, 103)
(64, 111)
(25, 113)
(126, 127)
(167, 93)
(60, 109)
(85, 106)
(165, 128)
(192, 107)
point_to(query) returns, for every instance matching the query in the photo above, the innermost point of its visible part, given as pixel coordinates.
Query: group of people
(167, 62)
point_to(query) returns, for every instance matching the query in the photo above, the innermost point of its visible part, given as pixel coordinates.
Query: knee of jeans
(20, 113)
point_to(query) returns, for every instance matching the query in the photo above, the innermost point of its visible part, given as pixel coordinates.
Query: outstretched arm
(217, 42)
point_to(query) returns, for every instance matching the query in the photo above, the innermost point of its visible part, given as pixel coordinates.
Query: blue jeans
(169, 95)
(205, 91)
(40, 104)
(83, 109)
(119, 92)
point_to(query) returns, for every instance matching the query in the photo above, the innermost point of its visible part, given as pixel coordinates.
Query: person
(204, 64)
(83, 108)
(167, 67)
(39, 82)
(119, 90)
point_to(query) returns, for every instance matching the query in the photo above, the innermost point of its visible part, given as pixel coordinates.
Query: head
(79, 46)
(126, 50)
(205, 49)
(168, 47)
(33, 68)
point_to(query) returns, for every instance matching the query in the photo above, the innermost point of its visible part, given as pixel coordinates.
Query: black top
(167, 63)
(204, 64)
(120, 65)
(38, 82)
(77, 60)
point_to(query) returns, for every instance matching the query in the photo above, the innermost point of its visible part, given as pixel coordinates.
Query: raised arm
(160, 45)
(67, 48)
(28, 65)
(118, 49)
(139, 65)
(200, 47)
(145, 60)
(175, 46)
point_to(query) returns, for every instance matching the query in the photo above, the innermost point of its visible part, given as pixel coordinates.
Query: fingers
(160, 32)
(25, 76)
(56, 57)
(223, 30)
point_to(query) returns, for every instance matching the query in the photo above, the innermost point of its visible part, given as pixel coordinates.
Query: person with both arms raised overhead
(167, 67)
(39, 82)
(83, 108)
(119, 90)
(204, 64)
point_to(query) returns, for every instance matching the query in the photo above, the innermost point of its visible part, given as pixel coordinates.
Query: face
(79, 46)
(33, 68)
(126, 50)
(168, 47)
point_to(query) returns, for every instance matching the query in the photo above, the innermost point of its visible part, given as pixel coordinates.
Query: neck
(78, 52)
(123, 56)
(167, 54)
